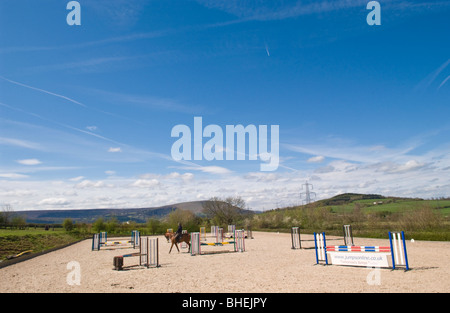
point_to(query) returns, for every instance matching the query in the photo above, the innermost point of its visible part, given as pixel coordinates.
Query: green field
(395, 206)
(369, 217)
(29, 231)
(13, 242)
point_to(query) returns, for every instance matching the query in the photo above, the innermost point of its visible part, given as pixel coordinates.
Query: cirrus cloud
(29, 162)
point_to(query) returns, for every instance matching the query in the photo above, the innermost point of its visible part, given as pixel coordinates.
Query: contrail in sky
(67, 98)
(45, 91)
(445, 80)
(267, 50)
(427, 81)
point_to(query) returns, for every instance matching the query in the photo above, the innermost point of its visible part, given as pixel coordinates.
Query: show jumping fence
(100, 240)
(238, 242)
(297, 241)
(367, 256)
(148, 254)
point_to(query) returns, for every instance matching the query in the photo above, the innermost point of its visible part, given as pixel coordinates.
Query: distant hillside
(139, 215)
(348, 198)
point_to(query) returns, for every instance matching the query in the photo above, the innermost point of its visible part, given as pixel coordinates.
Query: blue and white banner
(365, 259)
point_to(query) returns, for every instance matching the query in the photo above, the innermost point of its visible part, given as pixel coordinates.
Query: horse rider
(179, 232)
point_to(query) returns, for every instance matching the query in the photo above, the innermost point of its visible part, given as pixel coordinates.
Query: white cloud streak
(29, 162)
(44, 91)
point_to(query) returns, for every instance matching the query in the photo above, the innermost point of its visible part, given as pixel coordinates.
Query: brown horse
(168, 235)
(183, 238)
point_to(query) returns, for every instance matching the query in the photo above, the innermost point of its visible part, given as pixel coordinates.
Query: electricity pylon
(307, 193)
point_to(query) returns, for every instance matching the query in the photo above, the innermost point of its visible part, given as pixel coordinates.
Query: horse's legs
(176, 245)
(171, 248)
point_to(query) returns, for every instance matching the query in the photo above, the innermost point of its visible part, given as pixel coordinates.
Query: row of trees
(9, 219)
(216, 211)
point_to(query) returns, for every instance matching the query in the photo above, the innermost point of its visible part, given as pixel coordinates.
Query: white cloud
(29, 162)
(91, 184)
(186, 177)
(78, 178)
(13, 175)
(212, 169)
(145, 183)
(263, 176)
(19, 143)
(411, 165)
(324, 169)
(54, 201)
(316, 159)
(118, 149)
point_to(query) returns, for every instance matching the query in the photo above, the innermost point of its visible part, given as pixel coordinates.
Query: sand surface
(268, 265)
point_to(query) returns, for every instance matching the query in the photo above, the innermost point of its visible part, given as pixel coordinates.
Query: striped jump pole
(398, 249)
(195, 243)
(203, 233)
(295, 238)
(348, 235)
(103, 237)
(96, 242)
(239, 240)
(320, 245)
(219, 237)
(249, 233)
(214, 230)
(149, 252)
(135, 238)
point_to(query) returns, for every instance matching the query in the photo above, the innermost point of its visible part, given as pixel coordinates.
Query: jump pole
(239, 240)
(135, 238)
(195, 243)
(203, 233)
(320, 244)
(249, 233)
(348, 235)
(219, 236)
(295, 238)
(214, 230)
(231, 229)
(398, 249)
(96, 242)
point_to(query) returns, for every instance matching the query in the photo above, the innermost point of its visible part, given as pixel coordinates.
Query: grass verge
(11, 245)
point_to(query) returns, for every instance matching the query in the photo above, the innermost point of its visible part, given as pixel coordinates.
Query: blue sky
(86, 112)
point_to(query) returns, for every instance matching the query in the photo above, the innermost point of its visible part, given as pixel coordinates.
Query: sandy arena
(268, 265)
